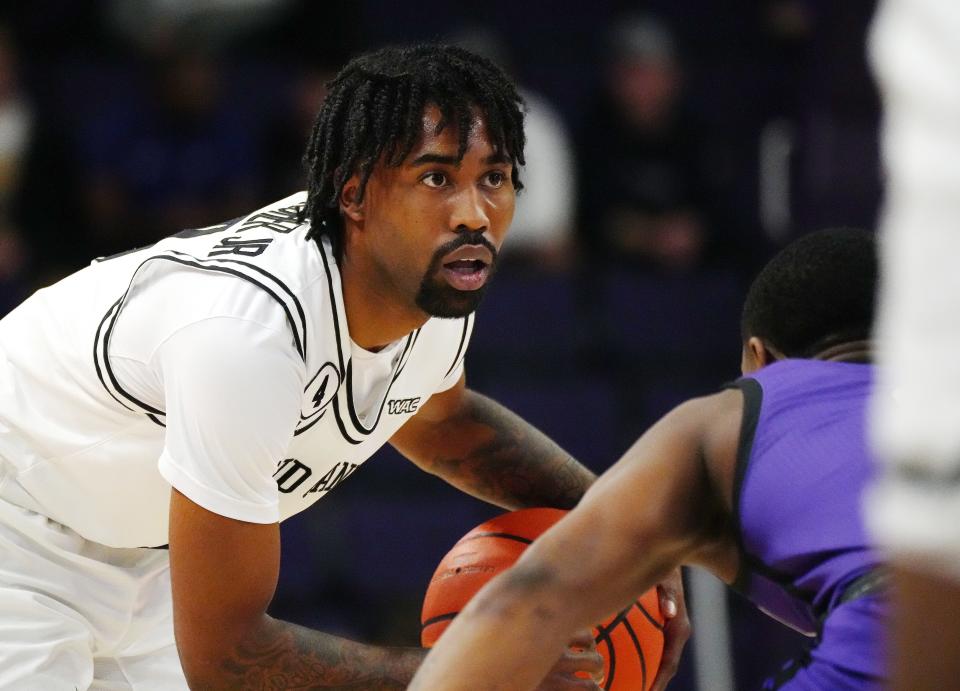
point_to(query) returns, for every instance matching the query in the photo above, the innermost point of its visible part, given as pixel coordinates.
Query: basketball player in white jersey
(251, 367)
(915, 508)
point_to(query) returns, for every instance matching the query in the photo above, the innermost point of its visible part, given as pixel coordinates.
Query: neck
(374, 316)
(852, 351)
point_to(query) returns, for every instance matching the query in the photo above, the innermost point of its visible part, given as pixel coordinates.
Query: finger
(565, 682)
(589, 662)
(675, 634)
(583, 640)
(670, 591)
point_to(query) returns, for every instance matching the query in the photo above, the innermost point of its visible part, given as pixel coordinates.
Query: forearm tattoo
(286, 656)
(497, 456)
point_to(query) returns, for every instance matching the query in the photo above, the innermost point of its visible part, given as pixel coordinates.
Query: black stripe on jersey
(102, 338)
(300, 430)
(96, 353)
(333, 307)
(463, 339)
(101, 342)
(401, 363)
(752, 400)
(405, 355)
(110, 321)
(196, 263)
(339, 419)
(300, 337)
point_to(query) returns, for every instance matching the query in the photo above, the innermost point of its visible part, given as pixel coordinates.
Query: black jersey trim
(300, 430)
(283, 286)
(111, 383)
(196, 263)
(463, 340)
(96, 353)
(299, 335)
(340, 425)
(333, 305)
(358, 426)
(149, 409)
(752, 401)
(105, 329)
(749, 563)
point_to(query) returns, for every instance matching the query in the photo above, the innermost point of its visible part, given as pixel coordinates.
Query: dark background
(703, 136)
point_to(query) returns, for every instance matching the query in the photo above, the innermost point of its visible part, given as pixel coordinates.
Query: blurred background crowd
(674, 145)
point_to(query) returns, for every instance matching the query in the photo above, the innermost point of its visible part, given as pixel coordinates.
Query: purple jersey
(802, 467)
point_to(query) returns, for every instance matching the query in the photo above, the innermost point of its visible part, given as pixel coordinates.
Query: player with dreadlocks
(193, 394)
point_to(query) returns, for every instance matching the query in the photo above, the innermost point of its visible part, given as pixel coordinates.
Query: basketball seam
(657, 625)
(636, 644)
(437, 619)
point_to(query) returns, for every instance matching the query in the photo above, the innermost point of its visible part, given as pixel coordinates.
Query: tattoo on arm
(280, 655)
(497, 456)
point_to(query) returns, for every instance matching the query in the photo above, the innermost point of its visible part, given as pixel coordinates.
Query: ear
(758, 353)
(350, 203)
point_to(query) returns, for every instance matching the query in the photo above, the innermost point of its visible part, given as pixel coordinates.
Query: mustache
(465, 238)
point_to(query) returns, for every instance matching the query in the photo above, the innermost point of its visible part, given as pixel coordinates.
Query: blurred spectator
(642, 192)
(542, 228)
(154, 24)
(182, 155)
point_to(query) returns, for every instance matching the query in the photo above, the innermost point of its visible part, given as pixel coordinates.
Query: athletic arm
(232, 394)
(480, 447)
(653, 510)
(224, 574)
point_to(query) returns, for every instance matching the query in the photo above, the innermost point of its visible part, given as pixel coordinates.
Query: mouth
(467, 267)
(466, 274)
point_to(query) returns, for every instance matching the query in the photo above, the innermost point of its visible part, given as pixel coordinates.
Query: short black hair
(374, 109)
(817, 292)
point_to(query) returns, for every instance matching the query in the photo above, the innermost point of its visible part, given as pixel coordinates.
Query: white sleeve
(232, 395)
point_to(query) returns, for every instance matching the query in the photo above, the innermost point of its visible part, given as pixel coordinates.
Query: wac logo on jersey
(401, 406)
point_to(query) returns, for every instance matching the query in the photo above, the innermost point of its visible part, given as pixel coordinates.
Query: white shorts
(78, 615)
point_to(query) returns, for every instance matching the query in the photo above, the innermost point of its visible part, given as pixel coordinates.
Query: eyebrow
(449, 160)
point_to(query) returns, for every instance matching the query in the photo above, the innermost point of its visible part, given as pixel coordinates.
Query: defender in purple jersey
(759, 483)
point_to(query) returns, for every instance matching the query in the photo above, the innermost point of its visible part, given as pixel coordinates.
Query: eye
(496, 178)
(434, 179)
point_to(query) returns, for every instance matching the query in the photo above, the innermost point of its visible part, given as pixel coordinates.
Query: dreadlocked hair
(374, 111)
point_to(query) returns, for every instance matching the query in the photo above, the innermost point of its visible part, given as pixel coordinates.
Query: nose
(469, 212)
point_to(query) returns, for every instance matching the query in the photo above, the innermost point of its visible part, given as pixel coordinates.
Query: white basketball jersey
(78, 444)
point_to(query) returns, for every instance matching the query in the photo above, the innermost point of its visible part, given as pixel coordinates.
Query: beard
(438, 298)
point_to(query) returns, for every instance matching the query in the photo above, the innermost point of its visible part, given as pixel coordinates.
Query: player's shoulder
(722, 408)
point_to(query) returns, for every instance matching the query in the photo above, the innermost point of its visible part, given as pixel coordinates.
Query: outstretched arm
(224, 573)
(480, 447)
(655, 509)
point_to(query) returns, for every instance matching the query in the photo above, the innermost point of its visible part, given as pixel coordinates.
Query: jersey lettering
(401, 406)
(333, 477)
(247, 248)
(293, 474)
(321, 391)
(278, 220)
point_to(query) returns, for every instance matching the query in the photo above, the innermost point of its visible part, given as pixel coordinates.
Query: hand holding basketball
(630, 642)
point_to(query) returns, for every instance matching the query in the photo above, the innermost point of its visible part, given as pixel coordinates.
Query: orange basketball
(631, 641)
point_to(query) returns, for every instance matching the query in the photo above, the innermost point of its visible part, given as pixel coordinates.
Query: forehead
(432, 137)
